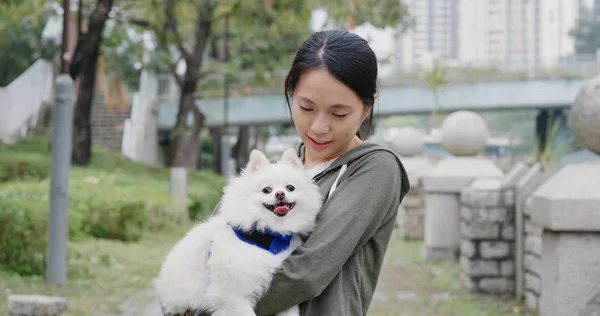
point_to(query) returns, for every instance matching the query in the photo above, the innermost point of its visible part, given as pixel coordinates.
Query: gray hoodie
(335, 271)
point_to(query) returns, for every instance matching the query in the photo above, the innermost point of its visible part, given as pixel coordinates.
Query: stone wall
(532, 256)
(528, 238)
(411, 213)
(487, 238)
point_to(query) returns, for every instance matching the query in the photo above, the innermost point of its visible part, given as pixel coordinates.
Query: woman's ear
(368, 110)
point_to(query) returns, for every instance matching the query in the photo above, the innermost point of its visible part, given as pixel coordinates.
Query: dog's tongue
(281, 210)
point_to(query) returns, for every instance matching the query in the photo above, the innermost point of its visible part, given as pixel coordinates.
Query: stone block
(480, 230)
(468, 284)
(476, 197)
(532, 264)
(479, 268)
(507, 267)
(508, 198)
(494, 249)
(533, 244)
(483, 215)
(508, 232)
(468, 248)
(497, 285)
(532, 229)
(35, 305)
(532, 283)
(531, 301)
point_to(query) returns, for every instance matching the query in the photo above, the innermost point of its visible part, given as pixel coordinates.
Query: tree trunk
(216, 135)
(82, 128)
(186, 142)
(240, 150)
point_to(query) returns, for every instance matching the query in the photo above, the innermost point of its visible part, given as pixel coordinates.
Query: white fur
(233, 278)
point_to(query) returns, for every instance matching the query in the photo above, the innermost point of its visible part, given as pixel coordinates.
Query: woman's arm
(368, 197)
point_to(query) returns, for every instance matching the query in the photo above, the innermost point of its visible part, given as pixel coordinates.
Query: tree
(90, 51)
(21, 42)
(261, 39)
(586, 33)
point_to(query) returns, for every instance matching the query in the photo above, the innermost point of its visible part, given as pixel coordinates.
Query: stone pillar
(487, 232)
(567, 207)
(464, 134)
(408, 144)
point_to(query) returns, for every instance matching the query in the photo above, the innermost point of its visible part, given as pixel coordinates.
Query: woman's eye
(305, 109)
(340, 115)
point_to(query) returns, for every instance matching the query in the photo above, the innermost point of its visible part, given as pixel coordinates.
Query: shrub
(22, 231)
(21, 167)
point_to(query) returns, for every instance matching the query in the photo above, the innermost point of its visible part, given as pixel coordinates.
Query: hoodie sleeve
(367, 196)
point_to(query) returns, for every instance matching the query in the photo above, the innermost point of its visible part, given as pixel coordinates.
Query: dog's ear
(289, 157)
(257, 160)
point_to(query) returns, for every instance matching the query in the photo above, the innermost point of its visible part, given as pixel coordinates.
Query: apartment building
(513, 34)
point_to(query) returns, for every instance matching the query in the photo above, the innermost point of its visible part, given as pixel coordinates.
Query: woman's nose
(320, 125)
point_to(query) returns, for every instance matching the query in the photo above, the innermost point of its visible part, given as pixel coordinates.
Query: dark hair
(346, 56)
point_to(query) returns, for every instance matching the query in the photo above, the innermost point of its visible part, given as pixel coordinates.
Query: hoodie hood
(360, 151)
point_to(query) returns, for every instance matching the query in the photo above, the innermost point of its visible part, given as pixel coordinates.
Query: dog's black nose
(280, 195)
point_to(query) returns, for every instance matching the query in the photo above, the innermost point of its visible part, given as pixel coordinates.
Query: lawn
(102, 274)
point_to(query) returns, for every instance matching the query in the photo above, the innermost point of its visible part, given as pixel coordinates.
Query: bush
(23, 231)
(113, 198)
(204, 192)
(22, 167)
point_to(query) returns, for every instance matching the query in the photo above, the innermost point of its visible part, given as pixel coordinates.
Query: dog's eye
(290, 188)
(267, 190)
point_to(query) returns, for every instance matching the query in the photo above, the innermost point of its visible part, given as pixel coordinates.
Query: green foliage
(380, 13)
(435, 78)
(20, 167)
(114, 198)
(22, 231)
(21, 43)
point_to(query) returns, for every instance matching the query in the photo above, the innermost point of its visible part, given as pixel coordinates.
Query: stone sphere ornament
(584, 116)
(464, 133)
(408, 142)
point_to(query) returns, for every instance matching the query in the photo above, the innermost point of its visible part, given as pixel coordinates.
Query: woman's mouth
(318, 144)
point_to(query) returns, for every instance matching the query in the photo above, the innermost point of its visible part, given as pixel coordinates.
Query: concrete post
(56, 269)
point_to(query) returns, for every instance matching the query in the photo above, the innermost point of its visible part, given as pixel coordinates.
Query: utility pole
(62, 130)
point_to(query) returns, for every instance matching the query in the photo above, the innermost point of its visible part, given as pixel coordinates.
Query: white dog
(226, 263)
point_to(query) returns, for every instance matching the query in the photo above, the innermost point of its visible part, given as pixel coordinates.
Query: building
(509, 34)
(435, 32)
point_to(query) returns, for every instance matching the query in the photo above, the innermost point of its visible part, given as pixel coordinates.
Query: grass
(410, 286)
(102, 274)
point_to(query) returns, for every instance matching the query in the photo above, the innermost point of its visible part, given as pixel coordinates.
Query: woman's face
(327, 114)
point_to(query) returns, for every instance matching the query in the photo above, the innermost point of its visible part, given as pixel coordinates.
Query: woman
(330, 90)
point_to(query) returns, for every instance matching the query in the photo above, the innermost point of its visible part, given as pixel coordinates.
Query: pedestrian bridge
(396, 100)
